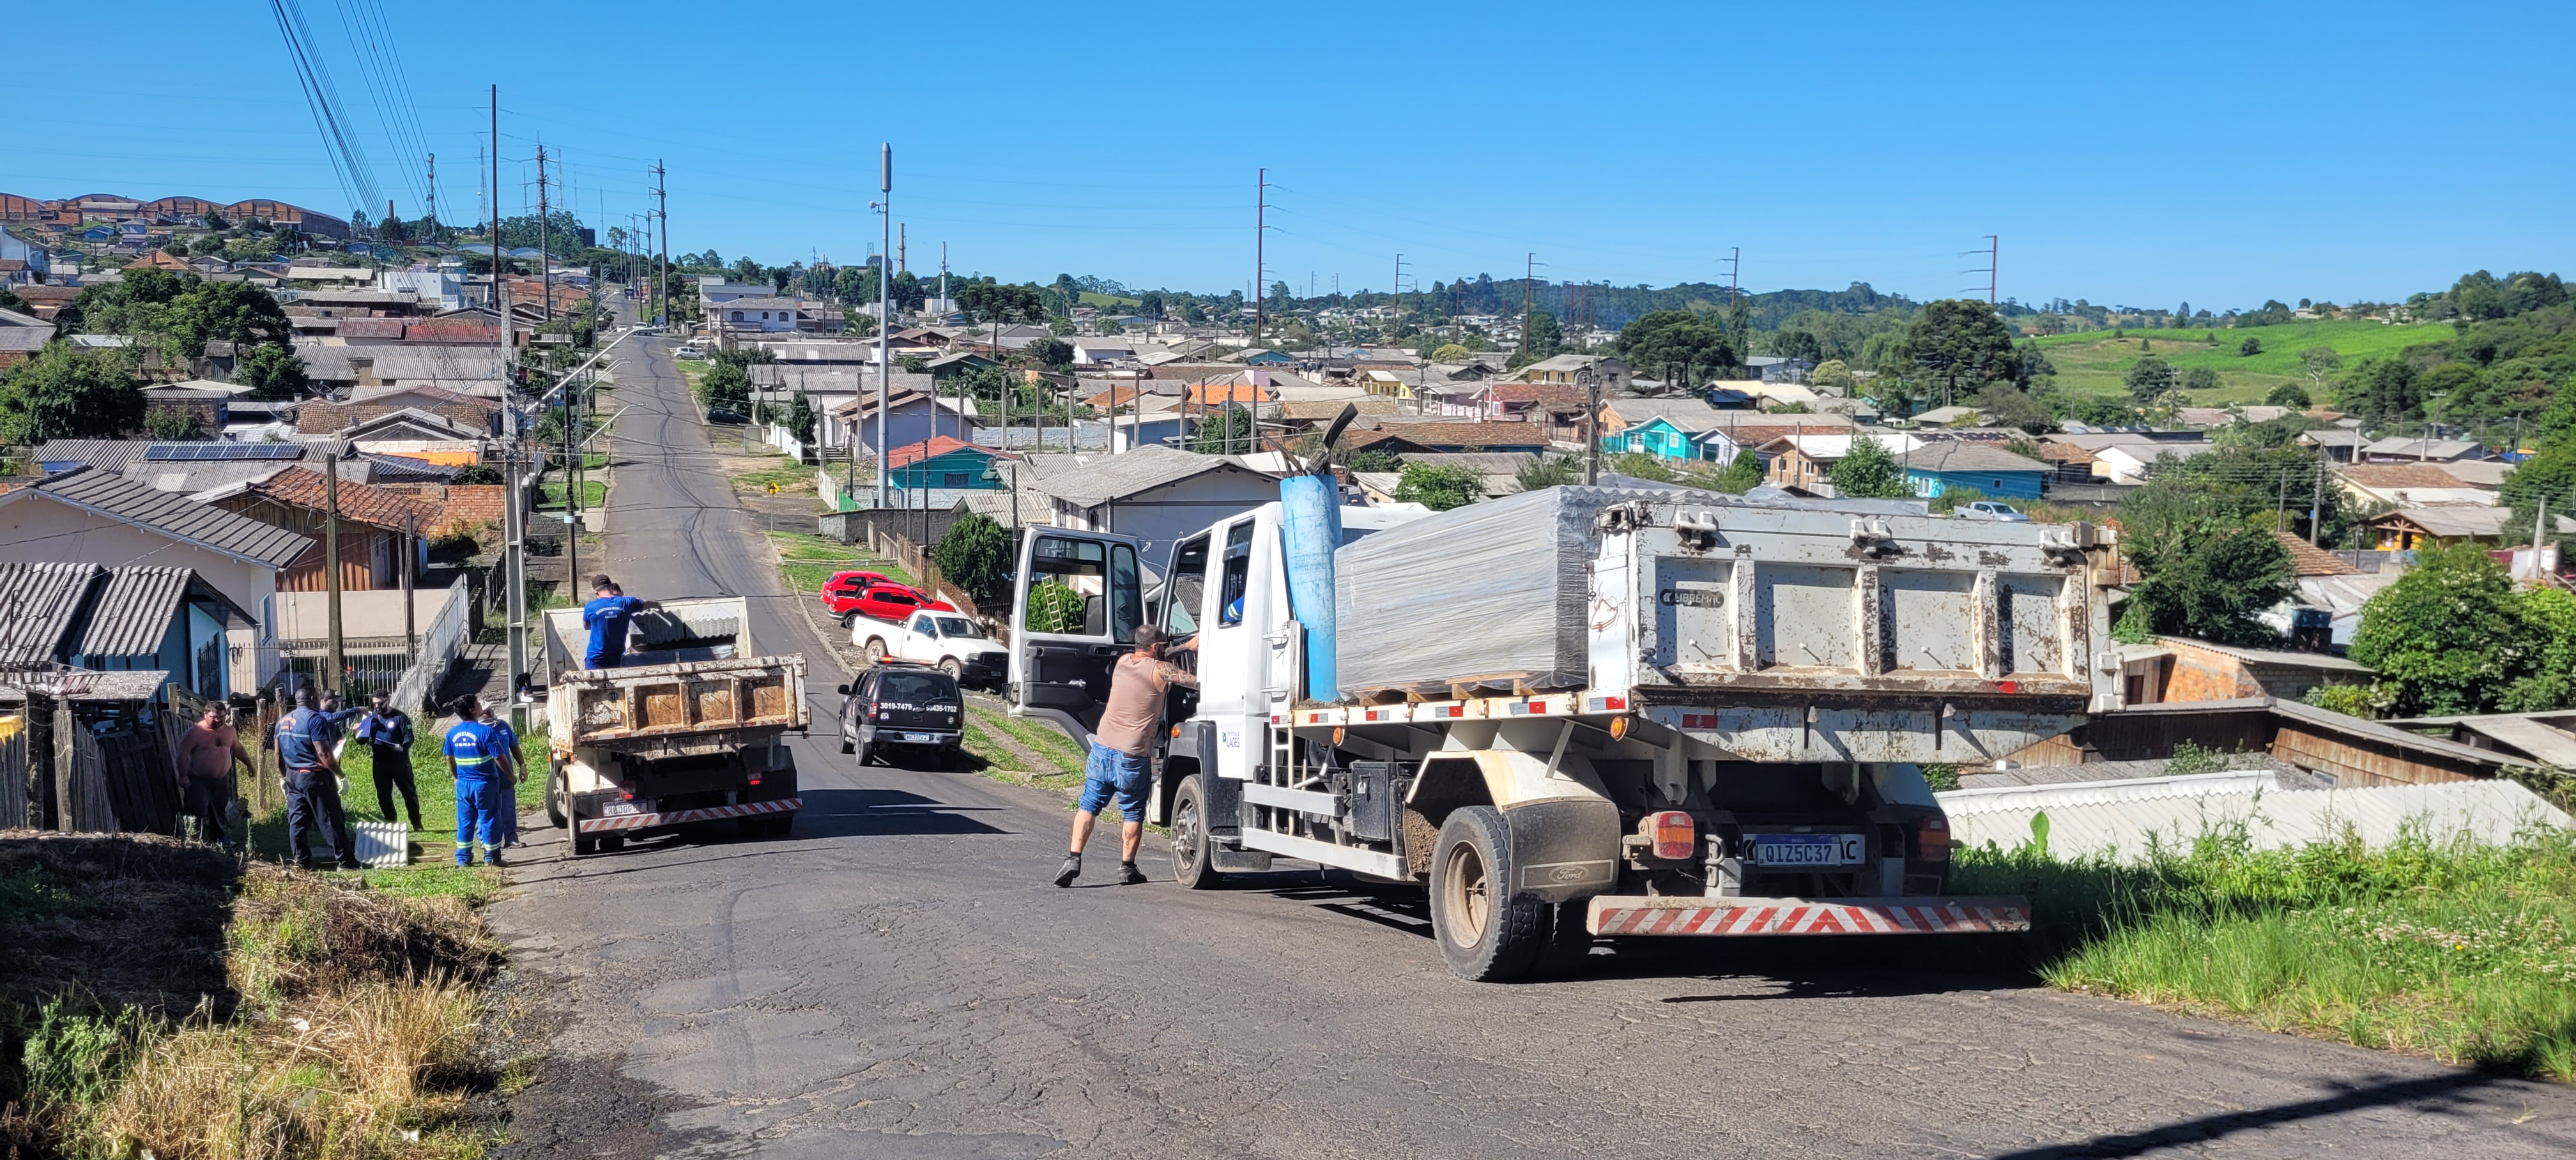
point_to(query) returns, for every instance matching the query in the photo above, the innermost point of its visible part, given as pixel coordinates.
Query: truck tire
(956, 672)
(876, 650)
(555, 792)
(1488, 933)
(1568, 951)
(1193, 863)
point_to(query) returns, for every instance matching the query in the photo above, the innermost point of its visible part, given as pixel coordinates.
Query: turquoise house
(1934, 468)
(944, 464)
(1656, 437)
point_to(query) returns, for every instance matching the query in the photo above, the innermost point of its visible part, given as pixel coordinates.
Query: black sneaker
(1072, 869)
(1129, 875)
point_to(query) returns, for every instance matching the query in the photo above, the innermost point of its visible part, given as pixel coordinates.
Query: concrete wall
(304, 617)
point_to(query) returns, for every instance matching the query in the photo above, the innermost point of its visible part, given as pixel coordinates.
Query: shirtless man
(207, 752)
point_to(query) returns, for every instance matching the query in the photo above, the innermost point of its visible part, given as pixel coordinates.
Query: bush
(2249, 348)
(975, 555)
(1439, 488)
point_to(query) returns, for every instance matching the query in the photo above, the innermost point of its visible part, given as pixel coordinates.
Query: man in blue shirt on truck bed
(606, 616)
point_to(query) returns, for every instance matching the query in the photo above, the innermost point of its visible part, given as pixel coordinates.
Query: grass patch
(809, 560)
(788, 474)
(434, 874)
(2096, 363)
(1045, 742)
(2458, 953)
(336, 1021)
(594, 494)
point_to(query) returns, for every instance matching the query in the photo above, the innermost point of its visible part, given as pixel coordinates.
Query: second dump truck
(1590, 711)
(690, 730)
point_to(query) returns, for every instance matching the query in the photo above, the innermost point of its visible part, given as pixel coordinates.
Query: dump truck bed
(692, 683)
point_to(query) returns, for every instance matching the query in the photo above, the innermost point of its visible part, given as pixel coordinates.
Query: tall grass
(2459, 952)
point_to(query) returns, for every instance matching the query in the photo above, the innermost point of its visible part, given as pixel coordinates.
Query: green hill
(2097, 363)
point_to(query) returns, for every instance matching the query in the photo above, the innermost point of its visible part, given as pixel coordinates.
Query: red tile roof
(911, 453)
(2307, 559)
(2399, 475)
(303, 487)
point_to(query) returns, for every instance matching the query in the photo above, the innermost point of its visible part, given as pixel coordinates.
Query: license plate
(920, 738)
(618, 809)
(1807, 849)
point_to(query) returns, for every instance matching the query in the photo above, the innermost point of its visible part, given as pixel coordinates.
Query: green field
(2096, 363)
(1094, 298)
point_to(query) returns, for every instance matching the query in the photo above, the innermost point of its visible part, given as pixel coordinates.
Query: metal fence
(440, 644)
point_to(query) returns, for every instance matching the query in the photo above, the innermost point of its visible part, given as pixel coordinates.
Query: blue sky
(2146, 155)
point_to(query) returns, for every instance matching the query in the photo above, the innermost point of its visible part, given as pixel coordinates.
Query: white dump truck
(691, 729)
(1624, 710)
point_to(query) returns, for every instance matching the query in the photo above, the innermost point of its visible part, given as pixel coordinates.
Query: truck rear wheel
(1192, 863)
(555, 794)
(1486, 931)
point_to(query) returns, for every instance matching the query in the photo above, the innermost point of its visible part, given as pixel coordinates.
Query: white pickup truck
(949, 641)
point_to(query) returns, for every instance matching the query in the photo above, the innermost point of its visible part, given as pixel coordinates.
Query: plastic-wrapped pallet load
(1491, 596)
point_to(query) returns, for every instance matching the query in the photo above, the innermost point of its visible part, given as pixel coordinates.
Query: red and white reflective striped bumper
(675, 817)
(1614, 915)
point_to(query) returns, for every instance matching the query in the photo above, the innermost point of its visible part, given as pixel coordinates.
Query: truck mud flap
(677, 817)
(1615, 915)
(1564, 848)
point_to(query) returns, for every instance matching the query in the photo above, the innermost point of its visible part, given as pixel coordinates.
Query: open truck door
(1078, 598)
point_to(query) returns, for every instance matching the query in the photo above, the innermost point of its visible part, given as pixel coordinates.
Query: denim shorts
(1109, 770)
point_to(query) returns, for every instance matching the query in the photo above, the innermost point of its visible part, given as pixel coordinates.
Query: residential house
(132, 618)
(1255, 356)
(98, 517)
(2409, 528)
(1557, 411)
(458, 415)
(1437, 436)
(913, 415)
(1092, 352)
(426, 436)
(2228, 416)
(771, 315)
(2340, 444)
(368, 372)
(1806, 462)
(944, 464)
(2132, 461)
(380, 530)
(1577, 370)
(2411, 485)
(1772, 368)
(1946, 417)
(2182, 669)
(723, 293)
(22, 337)
(1938, 467)
(1657, 436)
(1155, 494)
(2422, 449)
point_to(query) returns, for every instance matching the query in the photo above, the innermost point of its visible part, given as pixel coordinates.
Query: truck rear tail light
(755, 777)
(1676, 836)
(1932, 840)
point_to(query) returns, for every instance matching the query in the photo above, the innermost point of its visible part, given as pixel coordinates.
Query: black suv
(903, 706)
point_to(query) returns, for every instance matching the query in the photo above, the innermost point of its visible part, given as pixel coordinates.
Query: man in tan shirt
(1122, 751)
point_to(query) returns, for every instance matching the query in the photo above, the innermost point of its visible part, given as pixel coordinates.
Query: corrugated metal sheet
(2127, 818)
(134, 612)
(211, 527)
(39, 605)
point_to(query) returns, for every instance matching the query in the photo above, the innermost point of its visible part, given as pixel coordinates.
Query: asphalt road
(897, 979)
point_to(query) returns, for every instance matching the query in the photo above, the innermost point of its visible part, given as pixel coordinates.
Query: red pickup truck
(850, 595)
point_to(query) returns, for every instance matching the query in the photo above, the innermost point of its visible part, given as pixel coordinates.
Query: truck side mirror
(844, 689)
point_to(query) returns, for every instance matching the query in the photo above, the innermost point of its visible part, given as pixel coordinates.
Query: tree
(234, 312)
(1438, 488)
(1835, 376)
(2290, 395)
(800, 419)
(9, 299)
(1541, 338)
(1957, 346)
(2207, 578)
(1549, 471)
(1869, 471)
(275, 373)
(2200, 379)
(2005, 405)
(1230, 431)
(69, 392)
(2249, 348)
(975, 554)
(727, 386)
(2383, 390)
(1741, 476)
(2451, 636)
(1050, 354)
(1450, 352)
(2150, 380)
(1674, 343)
(2321, 362)
(171, 425)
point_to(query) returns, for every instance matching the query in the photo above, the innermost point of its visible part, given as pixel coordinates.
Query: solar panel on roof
(220, 452)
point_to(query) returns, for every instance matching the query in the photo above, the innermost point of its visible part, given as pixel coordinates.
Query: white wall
(35, 528)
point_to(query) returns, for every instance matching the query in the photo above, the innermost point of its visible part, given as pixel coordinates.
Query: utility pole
(410, 574)
(885, 313)
(903, 246)
(944, 307)
(1592, 430)
(1994, 257)
(662, 234)
(2317, 502)
(1734, 273)
(1260, 235)
(545, 260)
(1529, 272)
(432, 231)
(331, 564)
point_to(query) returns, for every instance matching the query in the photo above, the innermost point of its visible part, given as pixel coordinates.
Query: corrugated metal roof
(2125, 819)
(40, 604)
(210, 527)
(133, 612)
(112, 454)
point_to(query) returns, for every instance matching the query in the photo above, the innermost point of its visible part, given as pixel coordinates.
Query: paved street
(897, 979)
